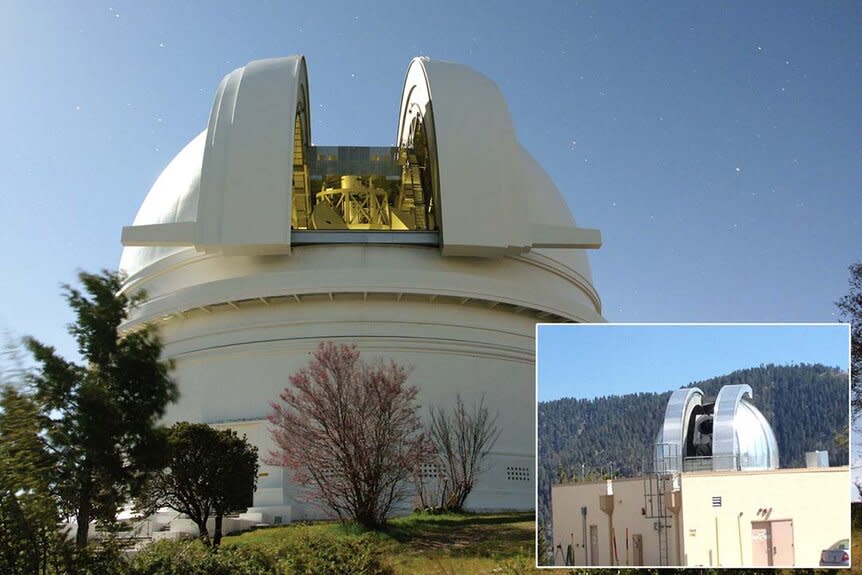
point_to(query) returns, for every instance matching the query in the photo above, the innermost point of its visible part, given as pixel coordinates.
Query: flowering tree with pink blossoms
(350, 433)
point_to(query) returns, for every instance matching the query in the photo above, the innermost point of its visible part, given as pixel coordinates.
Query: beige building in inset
(764, 518)
(713, 498)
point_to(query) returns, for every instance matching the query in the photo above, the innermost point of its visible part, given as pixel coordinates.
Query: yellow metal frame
(360, 206)
(301, 212)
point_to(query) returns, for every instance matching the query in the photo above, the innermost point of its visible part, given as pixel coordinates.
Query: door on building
(772, 543)
(637, 549)
(594, 545)
(760, 543)
(782, 543)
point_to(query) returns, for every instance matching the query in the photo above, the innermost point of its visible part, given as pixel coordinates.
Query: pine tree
(850, 308)
(29, 514)
(100, 417)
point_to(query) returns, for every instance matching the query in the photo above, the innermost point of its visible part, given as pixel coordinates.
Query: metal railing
(708, 463)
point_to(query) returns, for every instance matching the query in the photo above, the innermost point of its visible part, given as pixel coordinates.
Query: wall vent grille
(518, 473)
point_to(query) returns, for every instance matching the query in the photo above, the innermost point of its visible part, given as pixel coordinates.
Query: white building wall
(231, 365)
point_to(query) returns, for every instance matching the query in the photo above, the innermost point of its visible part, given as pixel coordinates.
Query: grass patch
(468, 544)
(856, 538)
(499, 543)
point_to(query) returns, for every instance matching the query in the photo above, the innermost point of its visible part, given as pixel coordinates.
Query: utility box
(816, 459)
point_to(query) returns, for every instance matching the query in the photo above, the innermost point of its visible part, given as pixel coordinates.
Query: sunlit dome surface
(456, 177)
(756, 444)
(172, 199)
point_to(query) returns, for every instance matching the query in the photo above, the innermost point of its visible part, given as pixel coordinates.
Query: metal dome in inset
(729, 434)
(742, 439)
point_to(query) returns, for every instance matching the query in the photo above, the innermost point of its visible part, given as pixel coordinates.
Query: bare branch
(350, 433)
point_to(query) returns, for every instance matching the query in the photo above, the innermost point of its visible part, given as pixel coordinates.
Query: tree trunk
(203, 532)
(85, 507)
(83, 518)
(217, 534)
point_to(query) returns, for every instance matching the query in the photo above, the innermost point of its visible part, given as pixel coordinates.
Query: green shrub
(524, 565)
(99, 558)
(195, 558)
(325, 554)
(307, 554)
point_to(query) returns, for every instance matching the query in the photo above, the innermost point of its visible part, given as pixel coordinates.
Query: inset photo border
(693, 445)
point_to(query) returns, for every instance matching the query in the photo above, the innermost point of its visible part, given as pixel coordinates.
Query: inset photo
(693, 445)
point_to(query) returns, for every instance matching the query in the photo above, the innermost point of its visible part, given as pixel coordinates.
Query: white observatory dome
(172, 199)
(440, 252)
(730, 434)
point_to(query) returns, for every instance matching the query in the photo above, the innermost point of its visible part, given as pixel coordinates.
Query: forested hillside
(807, 406)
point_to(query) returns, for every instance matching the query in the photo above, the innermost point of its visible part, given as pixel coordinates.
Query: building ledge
(308, 237)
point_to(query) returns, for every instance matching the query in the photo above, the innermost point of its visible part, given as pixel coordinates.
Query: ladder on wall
(656, 486)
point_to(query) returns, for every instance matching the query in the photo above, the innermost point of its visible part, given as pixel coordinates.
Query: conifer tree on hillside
(850, 310)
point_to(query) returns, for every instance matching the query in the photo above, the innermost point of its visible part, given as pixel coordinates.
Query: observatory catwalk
(440, 252)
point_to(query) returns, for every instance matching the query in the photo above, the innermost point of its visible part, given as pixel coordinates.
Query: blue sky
(716, 145)
(587, 361)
